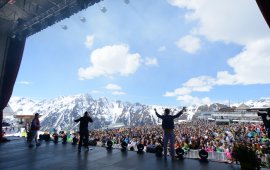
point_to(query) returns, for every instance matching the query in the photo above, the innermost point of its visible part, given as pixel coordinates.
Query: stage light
(103, 9)
(46, 137)
(124, 146)
(83, 19)
(64, 27)
(140, 148)
(109, 144)
(180, 153)
(159, 151)
(203, 154)
(93, 143)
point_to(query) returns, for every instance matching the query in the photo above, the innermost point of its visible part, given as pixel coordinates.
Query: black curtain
(264, 6)
(12, 57)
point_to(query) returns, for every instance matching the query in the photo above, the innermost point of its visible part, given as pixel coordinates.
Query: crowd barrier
(191, 153)
(194, 154)
(216, 156)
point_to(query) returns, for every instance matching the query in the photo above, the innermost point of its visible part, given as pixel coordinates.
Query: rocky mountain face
(211, 107)
(61, 112)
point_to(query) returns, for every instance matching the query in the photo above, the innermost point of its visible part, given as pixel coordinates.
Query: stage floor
(15, 155)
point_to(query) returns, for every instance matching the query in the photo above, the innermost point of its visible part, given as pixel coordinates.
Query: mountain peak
(61, 111)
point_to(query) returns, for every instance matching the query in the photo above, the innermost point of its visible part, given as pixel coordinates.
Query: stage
(16, 155)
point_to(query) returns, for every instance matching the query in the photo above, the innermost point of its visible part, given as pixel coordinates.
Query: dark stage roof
(23, 18)
(20, 19)
(264, 6)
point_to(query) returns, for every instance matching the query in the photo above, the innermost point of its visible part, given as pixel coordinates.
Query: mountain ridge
(60, 112)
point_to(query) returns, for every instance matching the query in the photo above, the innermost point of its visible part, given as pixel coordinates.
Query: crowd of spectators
(190, 136)
(193, 135)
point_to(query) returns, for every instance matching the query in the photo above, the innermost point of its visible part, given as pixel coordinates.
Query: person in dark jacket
(35, 126)
(168, 126)
(84, 133)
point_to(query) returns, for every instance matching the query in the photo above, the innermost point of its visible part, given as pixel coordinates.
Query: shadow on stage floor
(16, 155)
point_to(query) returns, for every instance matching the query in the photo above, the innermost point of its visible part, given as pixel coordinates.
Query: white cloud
(179, 91)
(202, 83)
(118, 93)
(239, 22)
(227, 20)
(110, 61)
(198, 84)
(113, 87)
(189, 100)
(162, 48)
(89, 41)
(189, 43)
(225, 78)
(151, 61)
(96, 91)
(169, 94)
(25, 82)
(252, 65)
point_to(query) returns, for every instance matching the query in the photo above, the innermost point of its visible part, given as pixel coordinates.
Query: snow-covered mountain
(265, 102)
(60, 112)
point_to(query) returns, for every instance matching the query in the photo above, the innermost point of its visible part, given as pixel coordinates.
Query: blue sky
(157, 52)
